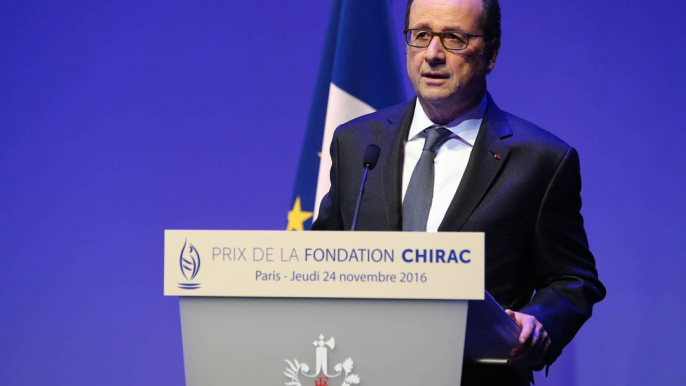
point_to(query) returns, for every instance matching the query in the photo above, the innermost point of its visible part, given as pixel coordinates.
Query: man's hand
(533, 341)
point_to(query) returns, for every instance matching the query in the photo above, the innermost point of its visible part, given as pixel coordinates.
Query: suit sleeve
(329, 217)
(567, 282)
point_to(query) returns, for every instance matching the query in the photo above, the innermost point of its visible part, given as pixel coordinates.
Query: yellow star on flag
(296, 217)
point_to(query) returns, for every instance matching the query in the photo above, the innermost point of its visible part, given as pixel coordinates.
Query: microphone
(371, 156)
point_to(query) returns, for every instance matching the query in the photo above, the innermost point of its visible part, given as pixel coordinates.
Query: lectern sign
(398, 265)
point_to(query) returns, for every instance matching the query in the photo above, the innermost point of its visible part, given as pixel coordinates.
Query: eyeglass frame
(440, 37)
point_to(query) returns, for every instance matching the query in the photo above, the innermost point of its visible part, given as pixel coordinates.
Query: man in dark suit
(486, 171)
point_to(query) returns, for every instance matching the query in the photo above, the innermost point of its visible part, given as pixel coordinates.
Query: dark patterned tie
(420, 191)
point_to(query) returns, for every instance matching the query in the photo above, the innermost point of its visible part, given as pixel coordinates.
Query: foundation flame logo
(189, 261)
(321, 374)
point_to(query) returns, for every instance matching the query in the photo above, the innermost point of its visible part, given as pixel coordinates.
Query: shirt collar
(466, 126)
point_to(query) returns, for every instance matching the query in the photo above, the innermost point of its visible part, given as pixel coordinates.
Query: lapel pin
(495, 155)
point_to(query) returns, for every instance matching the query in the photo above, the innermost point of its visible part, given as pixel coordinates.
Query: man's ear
(491, 54)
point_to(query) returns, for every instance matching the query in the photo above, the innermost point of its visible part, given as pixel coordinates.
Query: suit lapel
(392, 142)
(488, 157)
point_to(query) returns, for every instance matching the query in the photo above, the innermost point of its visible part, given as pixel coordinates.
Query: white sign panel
(390, 265)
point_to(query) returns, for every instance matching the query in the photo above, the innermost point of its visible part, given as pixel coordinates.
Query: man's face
(448, 81)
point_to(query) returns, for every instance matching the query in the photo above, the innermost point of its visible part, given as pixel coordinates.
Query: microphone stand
(359, 198)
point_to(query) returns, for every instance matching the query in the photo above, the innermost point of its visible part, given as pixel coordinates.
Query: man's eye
(422, 35)
(454, 37)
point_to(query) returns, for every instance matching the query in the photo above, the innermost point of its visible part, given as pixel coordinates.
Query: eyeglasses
(451, 40)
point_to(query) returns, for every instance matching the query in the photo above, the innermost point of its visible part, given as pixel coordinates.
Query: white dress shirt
(451, 158)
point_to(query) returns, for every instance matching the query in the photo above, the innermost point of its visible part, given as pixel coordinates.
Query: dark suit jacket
(521, 187)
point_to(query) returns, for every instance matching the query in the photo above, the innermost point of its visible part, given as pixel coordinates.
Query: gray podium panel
(246, 341)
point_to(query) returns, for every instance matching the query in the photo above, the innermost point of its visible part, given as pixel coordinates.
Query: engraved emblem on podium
(189, 262)
(321, 376)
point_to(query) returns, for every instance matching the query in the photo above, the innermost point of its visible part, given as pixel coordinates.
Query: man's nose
(435, 51)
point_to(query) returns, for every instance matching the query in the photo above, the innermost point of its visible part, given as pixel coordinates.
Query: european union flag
(360, 73)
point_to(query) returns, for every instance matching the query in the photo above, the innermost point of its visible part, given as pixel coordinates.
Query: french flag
(360, 72)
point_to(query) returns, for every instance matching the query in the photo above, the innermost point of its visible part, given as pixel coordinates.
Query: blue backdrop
(119, 119)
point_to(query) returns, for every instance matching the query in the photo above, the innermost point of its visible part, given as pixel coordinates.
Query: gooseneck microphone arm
(371, 156)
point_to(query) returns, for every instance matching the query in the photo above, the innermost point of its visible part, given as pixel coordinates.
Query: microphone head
(371, 156)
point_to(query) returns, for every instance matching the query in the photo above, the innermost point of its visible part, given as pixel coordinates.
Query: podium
(241, 326)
